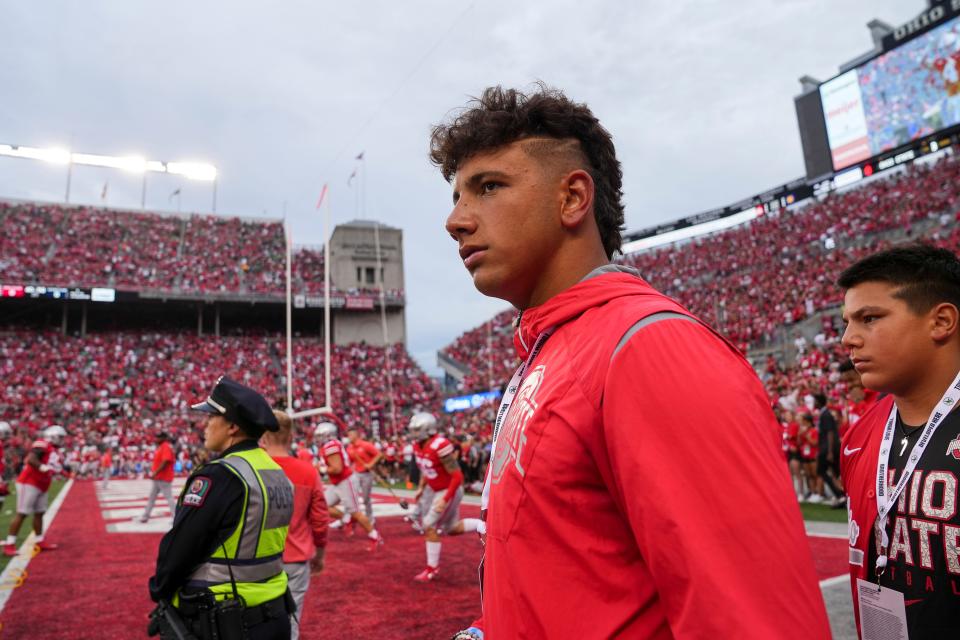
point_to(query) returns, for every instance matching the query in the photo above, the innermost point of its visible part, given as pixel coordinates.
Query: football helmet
(422, 424)
(54, 434)
(325, 432)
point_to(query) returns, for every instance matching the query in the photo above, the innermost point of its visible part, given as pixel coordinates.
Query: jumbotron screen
(899, 96)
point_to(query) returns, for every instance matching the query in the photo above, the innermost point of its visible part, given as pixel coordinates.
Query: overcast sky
(283, 96)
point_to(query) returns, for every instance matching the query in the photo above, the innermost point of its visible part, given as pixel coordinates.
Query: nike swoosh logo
(847, 451)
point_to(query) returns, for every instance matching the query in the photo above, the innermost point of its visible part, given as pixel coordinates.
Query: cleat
(348, 529)
(10, 550)
(374, 543)
(427, 574)
(47, 546)
(414, 524)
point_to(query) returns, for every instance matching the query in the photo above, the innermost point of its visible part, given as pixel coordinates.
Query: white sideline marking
(122, 503)
(831, 536)
(18, 563)
(829, 582)
(160, 509)
(154, 525)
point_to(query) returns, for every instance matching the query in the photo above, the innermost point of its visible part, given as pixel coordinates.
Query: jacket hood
(599, 287)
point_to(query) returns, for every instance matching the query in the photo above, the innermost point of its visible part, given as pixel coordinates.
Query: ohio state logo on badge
(513, 435)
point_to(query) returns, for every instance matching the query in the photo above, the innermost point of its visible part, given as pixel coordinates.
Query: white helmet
(422, 424)
(54, 433)
(5, 429)
(325, 432)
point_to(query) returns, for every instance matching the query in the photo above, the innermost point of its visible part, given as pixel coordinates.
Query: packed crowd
(92, 247)
(751, 281)
(362, 383)
(487, 351)
(117, 390)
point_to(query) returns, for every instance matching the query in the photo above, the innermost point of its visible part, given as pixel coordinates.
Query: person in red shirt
(365, 457)
(902, 309)
(161, 475)
(791, 437)
(32, 486)
(440, 492)
(343, 486)
(106, 466)
(608, 511)
(307, 536)
(391, 460)
(809, 439)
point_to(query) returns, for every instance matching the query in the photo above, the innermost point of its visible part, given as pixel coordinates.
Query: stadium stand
(91, 247)
(118, 388)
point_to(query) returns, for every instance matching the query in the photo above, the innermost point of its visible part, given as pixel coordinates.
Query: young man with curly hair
(609, 511)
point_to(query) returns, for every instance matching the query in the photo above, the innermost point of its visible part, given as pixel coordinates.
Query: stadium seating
(119, 388)
(89, 246)
(752, 281)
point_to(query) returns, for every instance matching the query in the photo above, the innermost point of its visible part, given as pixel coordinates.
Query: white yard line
(829, 582)
(18, 563)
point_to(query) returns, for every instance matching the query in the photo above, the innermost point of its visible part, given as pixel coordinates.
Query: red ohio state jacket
(639, 488)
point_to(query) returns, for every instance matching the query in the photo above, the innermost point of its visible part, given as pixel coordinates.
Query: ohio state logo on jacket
(513, 437)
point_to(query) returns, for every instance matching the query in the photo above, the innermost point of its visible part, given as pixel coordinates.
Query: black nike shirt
(924, 531)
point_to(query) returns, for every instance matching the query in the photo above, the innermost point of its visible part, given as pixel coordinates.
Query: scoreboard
(891, 104)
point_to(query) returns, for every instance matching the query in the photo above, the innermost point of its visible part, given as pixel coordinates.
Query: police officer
(220, 568)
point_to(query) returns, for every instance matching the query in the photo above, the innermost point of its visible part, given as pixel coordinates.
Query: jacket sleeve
(317, 513)
(696, 466)
(197, 530)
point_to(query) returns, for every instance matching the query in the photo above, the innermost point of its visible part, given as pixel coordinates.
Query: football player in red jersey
(342, 489)
(440, 491)
(32, 486)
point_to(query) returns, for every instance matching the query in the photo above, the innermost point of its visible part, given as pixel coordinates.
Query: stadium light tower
(199, 171)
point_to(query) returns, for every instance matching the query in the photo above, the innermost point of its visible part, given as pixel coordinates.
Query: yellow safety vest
(255, 548)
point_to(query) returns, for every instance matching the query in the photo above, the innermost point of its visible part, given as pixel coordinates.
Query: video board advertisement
(899, 96)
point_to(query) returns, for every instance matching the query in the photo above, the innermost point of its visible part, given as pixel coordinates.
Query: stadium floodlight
(199, 171)
(55, 155)
(193, 170)
(134, 164)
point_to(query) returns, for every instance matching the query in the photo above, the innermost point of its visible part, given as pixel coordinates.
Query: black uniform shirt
(208, 511)
(924, 532)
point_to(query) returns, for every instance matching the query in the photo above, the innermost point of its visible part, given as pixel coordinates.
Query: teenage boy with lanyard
(901, 461)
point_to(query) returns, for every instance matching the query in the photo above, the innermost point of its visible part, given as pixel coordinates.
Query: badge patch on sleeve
(197, 492)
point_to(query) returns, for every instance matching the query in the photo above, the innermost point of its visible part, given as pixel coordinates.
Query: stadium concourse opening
(200, 317)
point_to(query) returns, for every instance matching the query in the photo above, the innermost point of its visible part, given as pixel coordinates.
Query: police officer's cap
(241, 405)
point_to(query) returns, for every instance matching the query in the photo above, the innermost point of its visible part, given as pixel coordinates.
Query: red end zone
(95, 585)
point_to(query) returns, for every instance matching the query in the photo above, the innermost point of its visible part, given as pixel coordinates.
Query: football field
(95, 585)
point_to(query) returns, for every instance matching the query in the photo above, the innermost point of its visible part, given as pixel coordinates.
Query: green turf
(9, 510)
(822, 512)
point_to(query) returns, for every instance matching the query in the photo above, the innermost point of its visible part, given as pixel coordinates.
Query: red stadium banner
(12, 291)
(359, 302)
